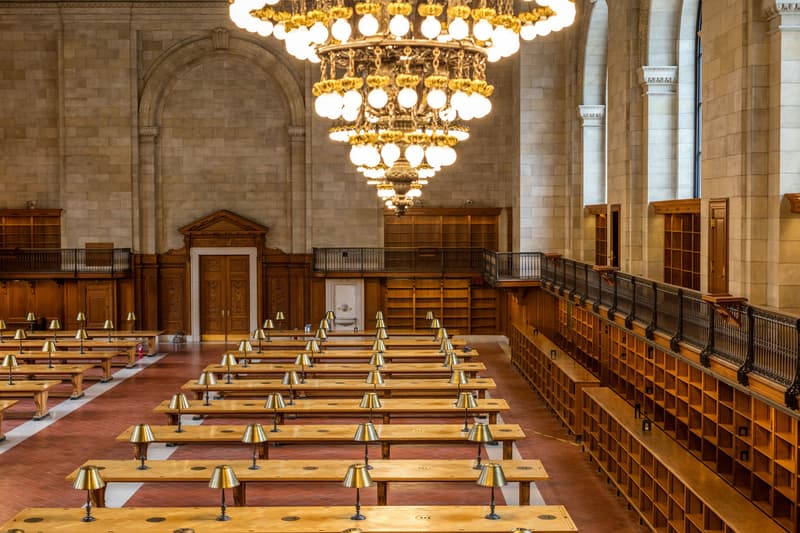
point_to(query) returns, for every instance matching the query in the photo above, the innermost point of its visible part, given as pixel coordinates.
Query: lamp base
(142, 467)
(223, 518)
(358, 516)
(492, 516)
(254, 467)
(88, 519)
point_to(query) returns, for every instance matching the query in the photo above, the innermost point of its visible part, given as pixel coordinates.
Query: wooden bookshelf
(749, 442)
(484, 318)
(681, 241)
(554, 374)
(671, 489)
(30, 228)
(442, 228)
(399, 303)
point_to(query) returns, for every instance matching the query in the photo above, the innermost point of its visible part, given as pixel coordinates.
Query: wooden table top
(294, 519)
(340, 342)
(341, 385)
(95, 334)
(339, 354)
(93, 355)
(73, 343)
(343, 405)
(348, 332)
(6, 404)
(27, 385)
(345, 368)
(314, 433)
(324, 470)
(43, 369)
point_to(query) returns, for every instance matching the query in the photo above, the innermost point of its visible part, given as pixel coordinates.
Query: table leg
(386, 451)
(382, 490)
(263, 450)
(493, 418)
(40, 400)
(481, 394)
(239, 495)
(98, 497)
(139, 450)
(508, 449)
(77, 386)
(131, 357)
(524, 492)
(106, 366)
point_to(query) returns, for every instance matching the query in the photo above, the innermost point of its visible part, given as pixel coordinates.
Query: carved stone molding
(297, 133)
(785, 16)
(658, 80)
(148, 131)
(591, 115)
(220, 38)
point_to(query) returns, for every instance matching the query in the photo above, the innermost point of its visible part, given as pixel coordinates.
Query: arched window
(698, 99)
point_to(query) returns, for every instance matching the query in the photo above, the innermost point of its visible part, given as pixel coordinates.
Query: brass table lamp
(207, 379)
(10, 362)
(466, 401)
(357, 477)
(223, 478)
(179, 402)
(254, 434)
(290, 378)
(228, 360)
(379, 315)
(481, 434)
(260, 335)
(141, 436)
(108, 325)
(374, 378)
(30, 318)
(450, 359)
(279, 318)
(81, 319)
(492, 475)
(20, 336)
(378, 346)
(54, 326)
(49, 347)
(370, 401)
(268, 326)
(366, 433)
(275, 402)
(3, 327)
(458, 378)
(245, 347)
(377, 360)
(303, 360)
(88, 479)
(131, 319)
(81, 336)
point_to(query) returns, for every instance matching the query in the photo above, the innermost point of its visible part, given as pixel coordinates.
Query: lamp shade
(81, 316)
(312, 346)
(275, 401)
(30, 317)
(254, 434)
(279, 316)
(446, 345)
(381, 334)
(466, 401)
(323, 324)
(374, 377)
(379, 315)
(207, 378)
(179, 401)
(245, 346)
(330, 315)
(370, 400)
(49, 346)
(259, 334)
(321, 334)
(366, 432)
(450, 359)
(142, 434)
(357, 477)
(436, 324)
(378, 346)
(480, 432)
(20, 335)
(223, 477)
(429, 315)
(492, 475)
(131, 316)
(54, 324)
(290, 378)
(81, 334)
(3, 326)
(380, 324)
(302, 359)
(441, 333)
(458, 377)
(228, 359)
(88, 478)
(377, 359)
(9, 361)
(108, 324)
(268, 324)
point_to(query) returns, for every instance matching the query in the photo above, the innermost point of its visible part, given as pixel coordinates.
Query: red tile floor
(33, 473)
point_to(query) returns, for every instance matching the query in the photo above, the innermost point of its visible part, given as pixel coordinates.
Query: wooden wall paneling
(73, 304)
(373, 301)
(299, 277)
(100, 303)
(146, 290)
(126, 303)
(173, 303)
(317, 301)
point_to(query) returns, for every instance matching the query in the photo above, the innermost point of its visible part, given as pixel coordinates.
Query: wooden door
(224, 295)
(718, 247)
(614, 236)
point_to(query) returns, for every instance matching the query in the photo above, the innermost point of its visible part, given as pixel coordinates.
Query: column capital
(148, 131)
(591, 115)
(786, 13)
(658, 80)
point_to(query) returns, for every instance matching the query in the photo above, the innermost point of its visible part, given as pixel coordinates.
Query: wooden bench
(338, 387)
(349, 369)
(313, 470)
(72, 372)
(100, 359)
(298, 519)
(506, 434)
(356, 356)
(127, 348)
(24, 389)
(4, 404)
(665, 483)
(434, 407)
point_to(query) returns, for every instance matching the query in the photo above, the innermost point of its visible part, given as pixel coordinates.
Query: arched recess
(158, 82)
(592, 114)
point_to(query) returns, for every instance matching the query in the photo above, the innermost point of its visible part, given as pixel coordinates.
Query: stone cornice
(658, 80)
(591, 115)
(148, 131)
(786, 13)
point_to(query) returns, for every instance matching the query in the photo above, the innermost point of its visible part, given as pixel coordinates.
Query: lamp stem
(302, 373)
(259, 346)
(275, 421)
(478, 465)
(228, 377)
(180, 429)
(88, 517)
(143, 457)
(20, 347)
(207, 402)
(254, 466)
(223, 517)
(81, 345)
(10, 377)
(366, 456)
(370, 414)
(291, 394)
(466, 416)
(358, 515)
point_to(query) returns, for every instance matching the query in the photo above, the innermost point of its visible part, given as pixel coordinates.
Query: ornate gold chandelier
(401, 83)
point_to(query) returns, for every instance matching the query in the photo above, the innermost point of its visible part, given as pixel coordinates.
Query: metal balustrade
(60, 261)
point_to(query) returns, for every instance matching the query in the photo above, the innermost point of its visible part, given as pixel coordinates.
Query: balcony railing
(423, 260)
(65, 261)
(508, 266)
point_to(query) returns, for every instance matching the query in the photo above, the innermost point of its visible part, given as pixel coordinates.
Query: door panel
(718, 247)
(224, 295)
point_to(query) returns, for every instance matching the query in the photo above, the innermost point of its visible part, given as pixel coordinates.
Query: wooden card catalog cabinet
(30, 228)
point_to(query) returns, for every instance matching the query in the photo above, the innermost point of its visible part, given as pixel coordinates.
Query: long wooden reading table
(296, 519)
(4, 404)
(438, 407)
(72, 372)
(389, 434)
(38, 389)
(363, 356)
(312, 470)
(363, 343)
(350, 332)
(329, 387)
(119, 346)
(149, 336)
(349, 369)
(98, 358)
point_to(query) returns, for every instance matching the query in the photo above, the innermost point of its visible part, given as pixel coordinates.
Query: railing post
(597, 303)
(632, 315)
(705, 354)
(574, 280)
(790, 396)
(674, 342)
(649, 332)
(613, 309)
(585, 285)
(747, 366)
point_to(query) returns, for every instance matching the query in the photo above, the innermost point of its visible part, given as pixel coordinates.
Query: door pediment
(224, 228)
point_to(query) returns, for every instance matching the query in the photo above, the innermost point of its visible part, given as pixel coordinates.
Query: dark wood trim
(450, 211)
(690, 205)
(794, 201)
(596, 209)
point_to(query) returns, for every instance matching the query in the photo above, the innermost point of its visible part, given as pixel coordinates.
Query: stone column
(296, 206)
(659, 159)
(149, 222)
(593, 165)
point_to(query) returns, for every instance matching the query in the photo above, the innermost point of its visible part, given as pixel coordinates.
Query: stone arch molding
(167, 69)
